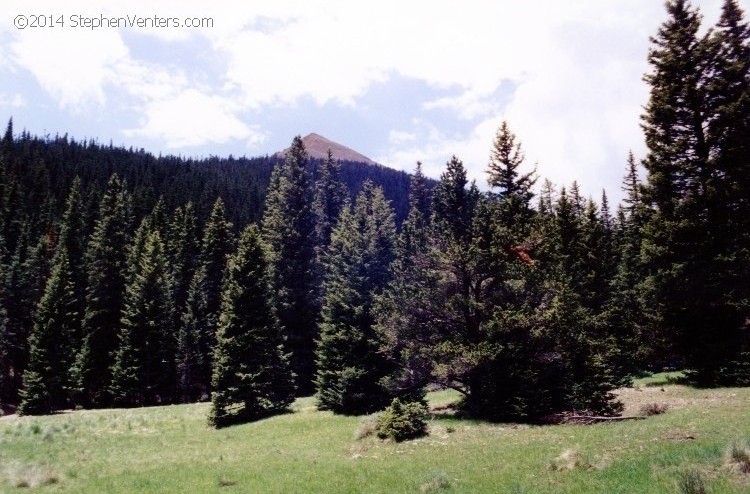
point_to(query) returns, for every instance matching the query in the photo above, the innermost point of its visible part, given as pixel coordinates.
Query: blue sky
(396, 81)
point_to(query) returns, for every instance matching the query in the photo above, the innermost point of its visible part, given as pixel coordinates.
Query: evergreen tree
(689, 244)
(7, 141)
(349, 364)
(440, 337)
(251, 377)
(513, 189)
(729, 93)
(72, 243)
(401, 322)
(197, 334)
(330, 197)
(419, 194)
(45, 380)
(625, 312)
(25, 279)
(106, 266)
(288, 232)
(144, 366)
(6, 370)
(183, 247)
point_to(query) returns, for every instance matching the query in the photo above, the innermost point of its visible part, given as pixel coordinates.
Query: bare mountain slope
(317, 147)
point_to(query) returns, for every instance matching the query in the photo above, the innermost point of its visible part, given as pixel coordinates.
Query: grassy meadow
(171, 450)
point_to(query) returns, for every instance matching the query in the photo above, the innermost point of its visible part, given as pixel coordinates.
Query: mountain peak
(317, 146)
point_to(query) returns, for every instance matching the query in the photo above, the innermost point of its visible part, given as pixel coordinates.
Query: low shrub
(402, 421)
(569, 460)
(738, 457)
(436, 482)
(367, 428)
(691, 482)
(650, 409)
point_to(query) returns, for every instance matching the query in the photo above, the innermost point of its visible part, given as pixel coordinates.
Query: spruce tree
(251, 375)
(25, 280)
(349, 365)
(420, 195)
(330, 197)
(625, 312)
(402, 323)
(106, 257)
(183, 248)
(72, 242)
(46, 379)
(197, 334)
(289, 234)
(513, 188)
(144, 365)
(690, 239)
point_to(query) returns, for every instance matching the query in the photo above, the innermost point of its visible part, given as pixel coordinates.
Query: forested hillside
(131, 280)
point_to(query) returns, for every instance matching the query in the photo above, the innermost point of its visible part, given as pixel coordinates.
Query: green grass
(171, 450)
(660, 379)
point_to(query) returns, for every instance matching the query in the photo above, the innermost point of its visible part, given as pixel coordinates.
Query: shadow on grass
(667, 380)
(242, 419)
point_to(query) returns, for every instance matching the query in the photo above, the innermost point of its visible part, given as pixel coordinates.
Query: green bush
(402, 421)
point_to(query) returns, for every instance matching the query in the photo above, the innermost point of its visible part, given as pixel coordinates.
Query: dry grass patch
(368, 427)
(691, 482)
(436, 482)
(21, 476)
(568, 460)
(650, 409)
(738, 457)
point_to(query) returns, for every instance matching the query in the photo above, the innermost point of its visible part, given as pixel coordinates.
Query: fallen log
(593, 419)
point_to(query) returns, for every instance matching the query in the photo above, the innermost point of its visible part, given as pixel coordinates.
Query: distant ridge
(317, 147)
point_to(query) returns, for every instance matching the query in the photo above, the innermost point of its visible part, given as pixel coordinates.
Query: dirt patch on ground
(673, 396)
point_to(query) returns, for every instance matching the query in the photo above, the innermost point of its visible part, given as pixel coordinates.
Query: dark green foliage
(330, 196)
(51, 189)
(46, 384)
(183, 247)
(7, 389)
(106, 264)
(695, 240)
(25, 279)
(197, 333)
(289, 234)
(525, 312)
(402, 307)
(420, 194)
(72, 242)
(251, 377)
(349, 365)
(143, 372)
(513, 189)
(432, 324)
(402, 421)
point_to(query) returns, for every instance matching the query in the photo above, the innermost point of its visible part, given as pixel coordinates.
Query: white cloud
(193, 119)
(73, 67)
(576, 68)
(15, 101)
(436, 148)
(469, 105)
(400, 136)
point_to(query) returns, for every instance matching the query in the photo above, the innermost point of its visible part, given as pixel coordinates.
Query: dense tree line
(528, 304)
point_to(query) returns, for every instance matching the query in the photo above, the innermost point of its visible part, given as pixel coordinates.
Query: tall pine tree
(46, 384)
(143, 372)
(106, 265)
(197, 334)
(350, 366)
(251, 374)
(289, 234)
